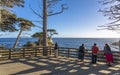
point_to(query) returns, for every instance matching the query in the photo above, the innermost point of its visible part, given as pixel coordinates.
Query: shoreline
(62, 42)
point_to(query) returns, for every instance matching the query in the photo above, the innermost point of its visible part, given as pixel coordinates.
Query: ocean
(63, 42)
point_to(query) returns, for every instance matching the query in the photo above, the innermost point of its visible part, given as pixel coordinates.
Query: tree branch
(63, 8)
(35, 12)
(114, 21)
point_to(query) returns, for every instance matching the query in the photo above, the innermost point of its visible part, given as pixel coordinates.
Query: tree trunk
(18, 37)
(45, 51)
(39, 41)
(119, 44)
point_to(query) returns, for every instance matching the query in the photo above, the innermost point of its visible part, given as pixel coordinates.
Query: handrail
(38, 51)
(73, 52)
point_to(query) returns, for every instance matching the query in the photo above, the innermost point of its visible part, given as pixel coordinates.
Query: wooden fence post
(68, 52)
(58, 51)
(23, 53)
(50, 51)
(9, 53)
(35, 49)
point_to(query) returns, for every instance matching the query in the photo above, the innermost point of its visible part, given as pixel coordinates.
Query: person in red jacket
(95, 50)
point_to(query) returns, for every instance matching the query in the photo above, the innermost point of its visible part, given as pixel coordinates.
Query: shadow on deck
(55, 66)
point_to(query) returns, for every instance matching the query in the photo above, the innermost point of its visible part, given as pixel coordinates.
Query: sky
(80, 20)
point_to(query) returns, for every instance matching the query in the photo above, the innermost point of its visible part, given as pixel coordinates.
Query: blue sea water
(63, 42)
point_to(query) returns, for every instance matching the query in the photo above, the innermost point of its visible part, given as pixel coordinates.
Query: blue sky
(80, 20)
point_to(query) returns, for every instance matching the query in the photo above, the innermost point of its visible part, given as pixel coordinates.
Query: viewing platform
(29, 61)
(56, 66)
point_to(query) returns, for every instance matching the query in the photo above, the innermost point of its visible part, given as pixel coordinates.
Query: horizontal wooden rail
(62, 51)
(23, 52)
(73, 52)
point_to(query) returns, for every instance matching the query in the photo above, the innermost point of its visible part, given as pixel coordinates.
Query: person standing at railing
(108, 54)
(81, 52)
(95, 50)
(56, 50)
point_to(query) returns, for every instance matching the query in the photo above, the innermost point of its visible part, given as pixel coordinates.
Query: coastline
(62, 42)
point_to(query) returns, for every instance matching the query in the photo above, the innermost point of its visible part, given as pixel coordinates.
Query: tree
(51, 32)
(24, 25)
(11, 3)
(113, 14)
(8, 19)
(38, 35)
(47, 11)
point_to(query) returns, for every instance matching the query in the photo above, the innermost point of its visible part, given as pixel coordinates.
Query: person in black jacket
(81, 52)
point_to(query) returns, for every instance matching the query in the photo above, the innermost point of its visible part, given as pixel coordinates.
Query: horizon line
(66, 37)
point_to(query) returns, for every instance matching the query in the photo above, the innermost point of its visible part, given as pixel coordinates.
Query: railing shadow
(32, 63)
(64, 66)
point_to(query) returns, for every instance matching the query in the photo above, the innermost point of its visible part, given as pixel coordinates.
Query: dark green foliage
(11, 3)
(24, 24)
(51, 32)
(38, 35)
(7, 21)
(30, 44)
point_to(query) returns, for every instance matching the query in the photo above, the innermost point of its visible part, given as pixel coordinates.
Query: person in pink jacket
(108, 54)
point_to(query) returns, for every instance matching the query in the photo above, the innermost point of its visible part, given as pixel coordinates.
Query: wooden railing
(38, 51)
(23, 52)
(73, 52)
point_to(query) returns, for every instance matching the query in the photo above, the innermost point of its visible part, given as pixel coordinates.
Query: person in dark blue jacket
(81, 52)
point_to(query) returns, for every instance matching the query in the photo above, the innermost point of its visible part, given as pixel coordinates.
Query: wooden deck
(56, 66)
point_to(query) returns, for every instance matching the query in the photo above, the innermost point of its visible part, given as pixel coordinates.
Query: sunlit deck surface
(55, 66)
